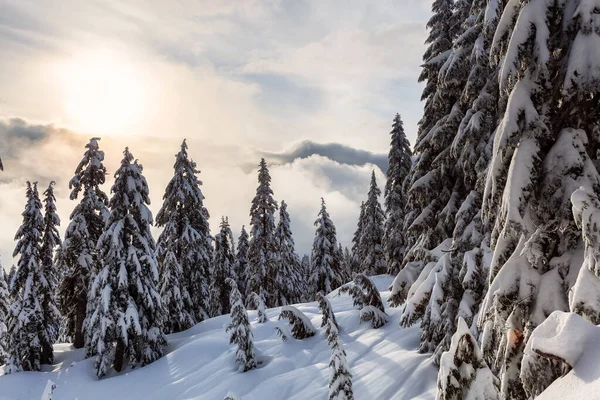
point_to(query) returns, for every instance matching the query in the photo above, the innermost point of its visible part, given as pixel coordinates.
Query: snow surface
(200, 364)
(574, 339)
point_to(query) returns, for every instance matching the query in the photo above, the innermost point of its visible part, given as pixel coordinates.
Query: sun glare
(103, 93)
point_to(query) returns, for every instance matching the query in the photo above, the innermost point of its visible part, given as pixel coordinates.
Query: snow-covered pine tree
(440, 42)
(357, 254)
(345, 271)
(340, 378)
(4, 313)
(371, 240)
(541, 154)
(458, 285)
(26, 334)
(78, 256)
(173, 293)
(259, 304)
(185, 243)
(305, 269)
(262, 250)
(126, 311)
(49, 281)
(327, 310)
(239, 330)
(348, 259)
(399, 163)
(451, 283)
(222, 270)
(430, 184)
(302, 328)
(584, 299)
(288, 281)
(11, 275)
(472, 147)
(463, 372)
(241, 260)
(366, 297)
(325, 273)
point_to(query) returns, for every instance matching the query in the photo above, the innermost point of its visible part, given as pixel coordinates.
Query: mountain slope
(199, 364)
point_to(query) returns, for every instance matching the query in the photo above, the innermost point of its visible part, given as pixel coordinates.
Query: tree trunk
(119, 355)
(79, 341)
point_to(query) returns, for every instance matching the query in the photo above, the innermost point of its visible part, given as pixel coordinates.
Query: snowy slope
(200, 364)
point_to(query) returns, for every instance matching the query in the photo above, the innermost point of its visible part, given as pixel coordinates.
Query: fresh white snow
(574, 339)
(200, 363)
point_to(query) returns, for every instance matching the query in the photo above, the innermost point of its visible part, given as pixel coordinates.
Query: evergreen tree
(288, 281)
(302, 328)
(126, 312)
(440, 42)
(340, 378)
(27, 336)
(357, 251)
(366, 297)
(262, 250)
(10, 276)
(442, 288)
(305, 268)
(239, 330)
(326, 310)
(4, 314)
(430, 180)
(325, 273)
(399, 163)
(78, 255)
(371, 240)
(543, 149)
(185, 245)
(345, 271)
(584, 299)
(259, 304)
(222, 270)
(463, 372)
(241, 260)
(47, 289)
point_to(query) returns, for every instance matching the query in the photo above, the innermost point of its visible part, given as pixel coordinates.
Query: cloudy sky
(310, 85)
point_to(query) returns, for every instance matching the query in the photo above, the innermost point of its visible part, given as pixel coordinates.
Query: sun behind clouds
(102, 92)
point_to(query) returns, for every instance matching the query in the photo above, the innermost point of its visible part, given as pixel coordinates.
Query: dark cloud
(334, 151)
(26, 150)
(17, 134)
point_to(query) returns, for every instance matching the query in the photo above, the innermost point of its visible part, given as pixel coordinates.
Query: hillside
(199, 364)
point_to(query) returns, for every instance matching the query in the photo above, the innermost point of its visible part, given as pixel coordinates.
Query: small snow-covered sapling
(463, 371)
(258, 302)
(340, 378)
(239, 330)
(327, 310)
(302, 328)
(366, 297)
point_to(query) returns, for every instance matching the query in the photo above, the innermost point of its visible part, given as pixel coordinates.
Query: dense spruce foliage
(126, 310)
(262, 249)
(78, 258)
(184, 248)
(325, 259)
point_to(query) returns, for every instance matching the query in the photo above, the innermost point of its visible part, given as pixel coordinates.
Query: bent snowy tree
(302, 328)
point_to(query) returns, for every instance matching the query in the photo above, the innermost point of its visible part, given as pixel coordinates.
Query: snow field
(200, 364)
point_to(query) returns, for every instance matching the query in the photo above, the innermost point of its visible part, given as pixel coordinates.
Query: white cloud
(232, 77)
